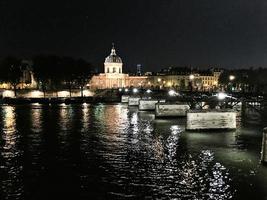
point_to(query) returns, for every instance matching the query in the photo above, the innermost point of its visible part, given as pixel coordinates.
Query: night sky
(155, 33)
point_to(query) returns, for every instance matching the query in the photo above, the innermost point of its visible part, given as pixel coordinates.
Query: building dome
(113, 58)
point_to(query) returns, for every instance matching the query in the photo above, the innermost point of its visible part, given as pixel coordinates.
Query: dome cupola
(113, 58)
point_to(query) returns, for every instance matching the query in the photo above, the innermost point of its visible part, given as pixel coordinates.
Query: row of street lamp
(220, 95)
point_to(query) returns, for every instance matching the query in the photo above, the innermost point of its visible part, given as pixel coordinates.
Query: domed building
(113, 77)
(113, 63)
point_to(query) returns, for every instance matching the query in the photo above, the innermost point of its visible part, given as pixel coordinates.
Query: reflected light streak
(10, 155)
(36, 114)
(9, 120)
(134, 122)
(65, 116)
(85, 117)
(172, 142)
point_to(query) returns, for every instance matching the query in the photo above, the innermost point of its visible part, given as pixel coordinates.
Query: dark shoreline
(74, 100)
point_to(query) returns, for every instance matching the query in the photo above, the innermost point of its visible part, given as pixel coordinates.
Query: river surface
(115, 152)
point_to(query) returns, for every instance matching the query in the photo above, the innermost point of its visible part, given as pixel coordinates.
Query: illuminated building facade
(113, 77)
(197, 81)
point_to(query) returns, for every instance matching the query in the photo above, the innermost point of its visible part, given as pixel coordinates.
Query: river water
(115, 152)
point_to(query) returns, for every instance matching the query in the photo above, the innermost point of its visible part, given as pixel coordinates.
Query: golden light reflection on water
(65, 117)
(9, 120)
(85, 117)
(9, 130)
(114, 118)
(10, 153)
(36, 116)
(135, 150)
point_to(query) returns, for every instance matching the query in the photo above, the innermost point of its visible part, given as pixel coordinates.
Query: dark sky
(155, 33)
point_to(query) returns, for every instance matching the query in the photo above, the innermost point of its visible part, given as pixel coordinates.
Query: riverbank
(59, 100)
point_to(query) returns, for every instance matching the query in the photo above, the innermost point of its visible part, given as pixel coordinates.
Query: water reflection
(65, 117)
(9, 132)
(85, 117)
(36, 115)
(11, 168)
(172, 142)
(9, 120)
(116, 152)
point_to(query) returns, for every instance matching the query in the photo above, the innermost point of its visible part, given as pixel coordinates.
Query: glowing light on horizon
(36, 94)
(63, 94)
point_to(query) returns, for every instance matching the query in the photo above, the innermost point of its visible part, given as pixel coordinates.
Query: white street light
(191, 77)
(231, 77)
(221, 95)
(135, 90)
(148, 91)
(172, 93)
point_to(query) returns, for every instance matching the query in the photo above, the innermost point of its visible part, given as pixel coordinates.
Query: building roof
(113, 57)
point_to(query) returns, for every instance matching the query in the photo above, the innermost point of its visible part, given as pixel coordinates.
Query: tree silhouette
(53, 72)
(11, 72)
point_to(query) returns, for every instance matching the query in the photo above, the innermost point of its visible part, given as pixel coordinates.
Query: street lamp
(135, 90)
(231, 77)
(172, 93)
(191, 77)
(148, 91)
(221, 95)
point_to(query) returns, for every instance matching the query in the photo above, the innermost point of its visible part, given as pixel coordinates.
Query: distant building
(185, 78)
(180, 77)
(113, 76)
(138, 69)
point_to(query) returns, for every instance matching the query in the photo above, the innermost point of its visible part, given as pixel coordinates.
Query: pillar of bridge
(171, 109)
(210, 119)
(264, 146)
(124, 98)
(133, 101)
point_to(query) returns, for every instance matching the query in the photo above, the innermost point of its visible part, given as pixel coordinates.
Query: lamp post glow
(221, 95)
(172, 93)
(135, 90)
(231, 77)
(191, 78)
(126, 90)
(148, 91)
